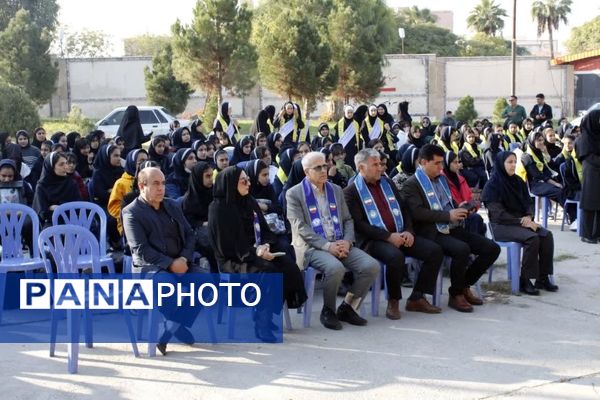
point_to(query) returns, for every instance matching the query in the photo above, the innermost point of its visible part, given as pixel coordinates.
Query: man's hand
(344, 248)
(335, 249)
(458, 214)
(409, 239)
(396, 239)
(178, 266)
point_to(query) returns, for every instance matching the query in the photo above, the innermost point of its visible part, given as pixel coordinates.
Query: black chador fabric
(510, 191)
(238, 153)
(178, 142)
(198, 197)
(130, 129)
(53, 189)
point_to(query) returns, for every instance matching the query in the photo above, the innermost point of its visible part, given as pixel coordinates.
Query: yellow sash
(578, 166)
(469, 148)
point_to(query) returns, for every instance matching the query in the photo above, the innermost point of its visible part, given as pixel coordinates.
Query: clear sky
(124, 18)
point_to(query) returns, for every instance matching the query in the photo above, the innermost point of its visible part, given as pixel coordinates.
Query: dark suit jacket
(546, 110)
(363, 228)
(423, 217)
(145, 236)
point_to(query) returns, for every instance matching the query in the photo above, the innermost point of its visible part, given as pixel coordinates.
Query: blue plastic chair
(545, 206)
(83, 213)
(12, 219)
(310, 279)
(65, 243)
(513, 262)
(562, 169)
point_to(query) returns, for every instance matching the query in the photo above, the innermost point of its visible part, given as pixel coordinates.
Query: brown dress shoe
(471, 298)
(393, 309)
(459, 303)
(422, 305)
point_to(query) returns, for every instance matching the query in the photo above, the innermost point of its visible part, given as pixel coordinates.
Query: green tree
(548, 14)
(87, 43)
(415, 16)
(145, 45)
(17, 111)
(486, 18)
(294, 58)
(215, 51)
(429, 39)
(466, 110)
(484, 45)
(499, 107)
(43, 13)
(360, 33)
(25, 61)
(162, 88)
(585, 37)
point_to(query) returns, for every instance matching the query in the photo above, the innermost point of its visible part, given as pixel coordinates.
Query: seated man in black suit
(436, 218)
(162, 246)
(384, 230)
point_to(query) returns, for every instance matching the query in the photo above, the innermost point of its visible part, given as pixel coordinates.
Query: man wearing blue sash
(384, 230)
(323, 237)
(435, 217)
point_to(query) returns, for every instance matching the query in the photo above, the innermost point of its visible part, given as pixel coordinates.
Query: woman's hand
(263, 207)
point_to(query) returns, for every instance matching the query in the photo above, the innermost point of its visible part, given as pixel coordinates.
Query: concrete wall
(431, 84)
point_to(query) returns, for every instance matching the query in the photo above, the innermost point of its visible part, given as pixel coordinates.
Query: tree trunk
(335, 109)
(551, 41)
(219, 84)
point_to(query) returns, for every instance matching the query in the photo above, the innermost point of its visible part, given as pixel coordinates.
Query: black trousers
(475, 176)
(589, 224)
(538, 250)
(393, 257)
(459, 245)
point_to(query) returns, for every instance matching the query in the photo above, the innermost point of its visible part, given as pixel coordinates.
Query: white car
(577, 121)
(154, 119)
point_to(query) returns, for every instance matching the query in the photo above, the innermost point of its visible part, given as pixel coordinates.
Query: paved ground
(515, 347)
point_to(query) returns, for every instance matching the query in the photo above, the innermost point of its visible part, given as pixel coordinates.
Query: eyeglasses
(320, 168)
(245, 180)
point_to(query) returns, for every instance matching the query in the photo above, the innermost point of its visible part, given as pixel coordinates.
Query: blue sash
(257, 236)
(313, 210)
(432, 198)
(370, 207)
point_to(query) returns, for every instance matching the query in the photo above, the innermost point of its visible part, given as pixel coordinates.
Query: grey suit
(312, 249)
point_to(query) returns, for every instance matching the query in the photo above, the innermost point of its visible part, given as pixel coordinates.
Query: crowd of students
(438, 177)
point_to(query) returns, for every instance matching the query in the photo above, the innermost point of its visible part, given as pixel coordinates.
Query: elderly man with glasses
(323, 237)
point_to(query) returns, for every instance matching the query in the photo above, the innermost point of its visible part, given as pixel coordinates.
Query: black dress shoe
(329, 319)
(346, 313)
(544, 283)
(184, 335)
(591, 241)
(528, 288)
(162, 347)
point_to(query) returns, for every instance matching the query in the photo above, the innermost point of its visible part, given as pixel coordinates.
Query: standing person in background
(347, 132)
(225, 125)
(289, 124)
(514, 112)
(587, 148)
(541, 112)
(264, 121)
(131, 131)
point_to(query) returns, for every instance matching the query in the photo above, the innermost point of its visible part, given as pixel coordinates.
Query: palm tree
(548, 14)
(415, 16)
(486, 17)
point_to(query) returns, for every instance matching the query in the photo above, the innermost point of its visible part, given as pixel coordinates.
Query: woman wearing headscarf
(510, 209)
(286, 158)
(406, 167)
(264, 121)
(178, 180)
(373, 128)
(130, 129)
(385, 116)
(261, 188)
(289, 124)
(587, 149)
(124, 184)
(60, 138)
(54, 188)
(72, 172)
(27, 190)
(71, 138)
(333, 175)
(347, 133)
(200, 150)
(29, 153)
(39, 136)
(195, 204)
(494, 146)
(534, 170)
(81, 149)
(243, 243)
(427, 129)
(242, 150)
(461, 193)
(221, 161)
(274, 142)
(94, 138)
(196, 130)
(448, 140)
(414, 138)
(322, 138)
(181, 138)
(158, 153)
(224, 125)
(296, 176)
(472, 161)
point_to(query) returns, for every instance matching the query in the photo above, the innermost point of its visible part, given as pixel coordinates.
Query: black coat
(363, 228)
(546, 110)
